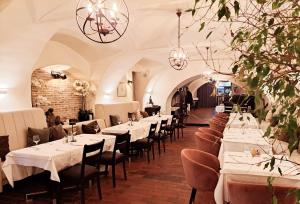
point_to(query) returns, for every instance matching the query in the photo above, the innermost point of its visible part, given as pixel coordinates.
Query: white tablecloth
(138, 130)
(241, 166)
(240, 139)
(244, 120)
(220, 109)
(157, 119)
(53, 156)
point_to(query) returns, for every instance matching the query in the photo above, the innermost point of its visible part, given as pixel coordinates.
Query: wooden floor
(200, 116)
(161, 181)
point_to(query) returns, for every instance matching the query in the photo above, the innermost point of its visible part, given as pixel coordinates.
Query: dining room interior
(150, 102)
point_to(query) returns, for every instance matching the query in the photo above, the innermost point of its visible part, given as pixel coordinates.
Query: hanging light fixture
(102, 21)
(177, 57)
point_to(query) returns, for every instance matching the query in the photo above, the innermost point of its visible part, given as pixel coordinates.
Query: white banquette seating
(122, 109)
(16, 123)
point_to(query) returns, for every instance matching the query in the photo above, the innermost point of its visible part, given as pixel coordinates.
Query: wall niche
(58, 94)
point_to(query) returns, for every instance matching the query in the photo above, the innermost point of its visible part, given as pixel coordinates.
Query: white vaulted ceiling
(37, 33)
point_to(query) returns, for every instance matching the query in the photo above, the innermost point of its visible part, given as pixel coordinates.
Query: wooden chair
(147, 143)
(112, 158)
(79, 174)
(180, 125)
(170, 129)
(201, 171)
(161, 135)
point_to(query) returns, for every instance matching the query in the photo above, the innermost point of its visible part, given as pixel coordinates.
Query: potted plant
(82, 89)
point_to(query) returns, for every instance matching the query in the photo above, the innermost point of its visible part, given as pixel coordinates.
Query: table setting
(51, 156)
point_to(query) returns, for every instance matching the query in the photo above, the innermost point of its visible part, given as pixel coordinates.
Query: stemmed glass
(36, 139)
(96, 129)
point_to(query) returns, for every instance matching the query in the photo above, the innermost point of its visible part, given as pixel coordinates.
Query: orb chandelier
(102, 21)
(177, 57)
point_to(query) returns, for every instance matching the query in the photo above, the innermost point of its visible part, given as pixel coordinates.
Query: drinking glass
(153, 114)
(36, 139)
(96, 129)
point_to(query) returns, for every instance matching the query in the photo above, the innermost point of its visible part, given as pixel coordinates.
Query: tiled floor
(159, 182)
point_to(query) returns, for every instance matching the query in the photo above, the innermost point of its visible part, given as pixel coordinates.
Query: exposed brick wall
(59, 92)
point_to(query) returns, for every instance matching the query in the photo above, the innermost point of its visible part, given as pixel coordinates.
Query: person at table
(58, 121)
(50, 117)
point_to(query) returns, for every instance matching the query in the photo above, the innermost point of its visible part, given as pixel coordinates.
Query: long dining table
(52, 156)
(238, 164)
(137, 129)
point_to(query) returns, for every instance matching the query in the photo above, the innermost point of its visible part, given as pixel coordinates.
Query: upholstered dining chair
(180, 125)
(147, 143)
(215, 125)
(249, 193)
(210, 137)
(112, 158)
(207, 145)
(161, 136)
(79, 174)
(201, 170)
(211, 131)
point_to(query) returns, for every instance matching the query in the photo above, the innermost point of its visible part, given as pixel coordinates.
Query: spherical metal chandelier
(102, 21)
(177, 57)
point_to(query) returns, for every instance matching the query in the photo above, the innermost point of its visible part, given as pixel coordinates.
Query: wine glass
(153, 113)
(96, 129)
(36, 139)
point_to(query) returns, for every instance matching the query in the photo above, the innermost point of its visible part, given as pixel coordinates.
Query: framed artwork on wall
(122, 90)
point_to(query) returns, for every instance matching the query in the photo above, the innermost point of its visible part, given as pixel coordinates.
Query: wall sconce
(58, 75)
(129, 82)
(3, 92)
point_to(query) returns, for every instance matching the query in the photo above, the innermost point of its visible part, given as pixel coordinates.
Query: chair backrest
(206, 145)
(211, 131)
(122, 143)
(216, 126)
(173, 122)
(200, 169)
(163, 125)
(248, 193)
(152, 130)
(209, 137)
(96, 151)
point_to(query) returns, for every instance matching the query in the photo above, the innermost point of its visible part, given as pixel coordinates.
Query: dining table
(137, 130)
(51, 156)
(243, 154)
(243, 167)
(157, 119)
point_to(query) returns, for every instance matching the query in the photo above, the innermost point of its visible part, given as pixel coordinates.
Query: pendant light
(102, 21)
(177, 57)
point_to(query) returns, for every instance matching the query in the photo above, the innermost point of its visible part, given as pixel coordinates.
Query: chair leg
(173, 134)
(99, 187)
(193, 195)
(164, 145)
(114, 175)
(178, 133)
(158, 142)
(106, 169)
(171, 139)
(182, 132)
(82, 193)
(153, 151)
(148, 156)
(124, 169)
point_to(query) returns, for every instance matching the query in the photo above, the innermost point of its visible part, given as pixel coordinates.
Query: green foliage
(267, 44)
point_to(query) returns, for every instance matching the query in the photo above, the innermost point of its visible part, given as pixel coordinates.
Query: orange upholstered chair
(247, 193)
(215, 125)
(201, 170)
(209, 137)
(211, 131)
(207, 145)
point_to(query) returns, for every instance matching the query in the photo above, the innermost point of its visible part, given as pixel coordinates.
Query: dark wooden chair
(170, 129)
(180, 125)
(161, 135)
(147, 143)
(112, 158)
(79, 174)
